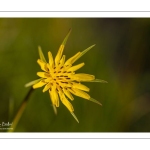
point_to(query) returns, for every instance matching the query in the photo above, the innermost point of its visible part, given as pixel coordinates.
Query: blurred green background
(121, 57)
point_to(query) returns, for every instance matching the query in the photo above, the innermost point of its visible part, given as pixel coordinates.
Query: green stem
(20, 111)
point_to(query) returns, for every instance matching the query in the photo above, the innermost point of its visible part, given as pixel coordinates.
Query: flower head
(59, 78)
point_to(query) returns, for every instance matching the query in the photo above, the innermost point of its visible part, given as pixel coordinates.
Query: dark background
(121, 57)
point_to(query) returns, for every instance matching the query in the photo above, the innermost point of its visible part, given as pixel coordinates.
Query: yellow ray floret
(59, 78)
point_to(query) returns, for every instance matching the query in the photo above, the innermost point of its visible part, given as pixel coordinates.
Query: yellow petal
(76, 67)
(83, 52)
(41, 54)
(68, 94)
(62, 61)
(59, 54)
(77, 56)
(80, 86)
(51, 97)
(43, 74)
(32, 82)
(79, 93)
(61, 48)
(72, 59)
(48, 79)
(54, 96)
(42, 65)
(39, 84)
(65, 84)
(60, 67)
(51, 61)
(66, 102)
(57, 99)
(82, 77)
(51, 69)
(47, 86)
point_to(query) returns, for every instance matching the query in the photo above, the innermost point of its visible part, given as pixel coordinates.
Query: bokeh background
(121, 57)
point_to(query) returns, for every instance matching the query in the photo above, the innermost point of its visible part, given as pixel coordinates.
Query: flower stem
(20, 110)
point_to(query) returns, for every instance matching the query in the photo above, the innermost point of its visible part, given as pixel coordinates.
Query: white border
(72, 14)
(75, 5)
(71, 144)
(75, 135)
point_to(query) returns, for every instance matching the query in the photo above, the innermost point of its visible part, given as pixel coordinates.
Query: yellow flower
(59, 78)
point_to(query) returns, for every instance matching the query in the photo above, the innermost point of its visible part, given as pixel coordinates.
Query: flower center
(60, 77)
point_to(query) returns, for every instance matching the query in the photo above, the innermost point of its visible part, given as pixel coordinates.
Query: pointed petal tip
(25, 85)
(74, 117)
(55, 110)
(98, 80)
(39, 47)
(100, 104)
(103, 81)
(41, 54)
(92, 46)
(70, 29)
(95, 101)
(66, 38)
(32, 82)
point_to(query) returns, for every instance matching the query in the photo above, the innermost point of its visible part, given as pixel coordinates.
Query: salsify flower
(60, 80)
